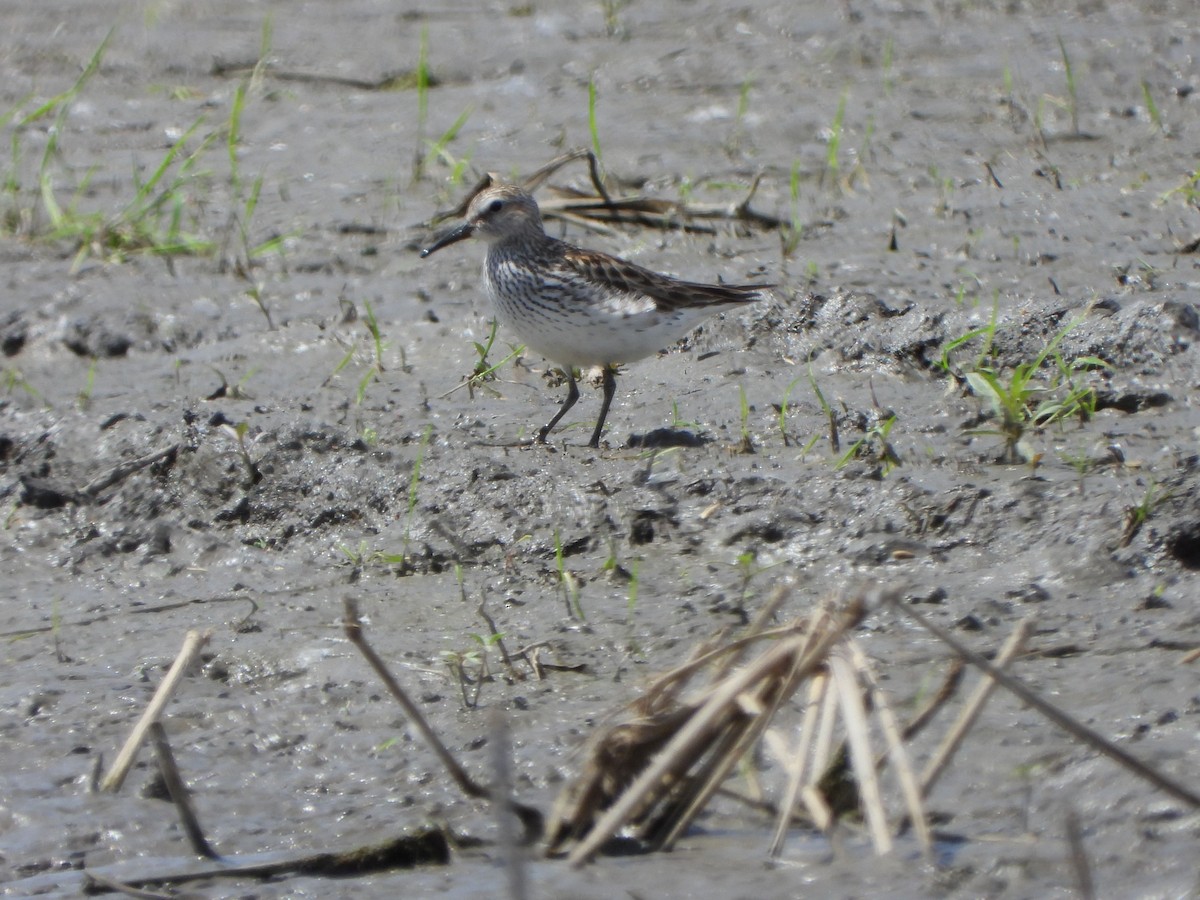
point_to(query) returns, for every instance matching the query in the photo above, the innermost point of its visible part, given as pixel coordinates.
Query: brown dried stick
(1089, 736)
(352, 625)
(192, 644)
(179, 793)
(954, 737)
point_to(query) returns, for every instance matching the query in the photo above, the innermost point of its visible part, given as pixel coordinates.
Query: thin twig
(94, 880)
(352, 625)
(534, 181)
(494, 632)
(949, 686)
(755, 630)
(121, 471)
(958, 731)
(193, 642)
(179, 793)
(1089, 736)
(1079, 859)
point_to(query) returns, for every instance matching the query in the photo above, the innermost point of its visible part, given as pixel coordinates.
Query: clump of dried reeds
(652, 773)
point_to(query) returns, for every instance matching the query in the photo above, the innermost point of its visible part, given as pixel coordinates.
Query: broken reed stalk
(759, 710)
(954, 737)
(193, 642)
(854, 717)
(352, 625)
(1072, 726)
(178, 793)
(939, 699)
(894, 736)
(738, 740)
(795, 761)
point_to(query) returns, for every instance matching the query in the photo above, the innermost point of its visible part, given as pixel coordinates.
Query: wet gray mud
(996, 162)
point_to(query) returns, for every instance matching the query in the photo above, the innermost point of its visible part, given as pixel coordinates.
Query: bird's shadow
(665, 438)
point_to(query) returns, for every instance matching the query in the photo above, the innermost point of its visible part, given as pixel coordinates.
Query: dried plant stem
(954, 737)
(121, 471)
(756, 630)
(817, 688)
(854, 715)
(689, 740)
(352, 625)
(1087, 735)
(179, 793)
(798, 656)
(936, 701)
(193, 642)
(1082, 868)
(733, 745)
(909, 787)
(494, 632)
(599, 210)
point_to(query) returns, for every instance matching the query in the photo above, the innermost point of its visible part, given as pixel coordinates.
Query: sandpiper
(580, 308)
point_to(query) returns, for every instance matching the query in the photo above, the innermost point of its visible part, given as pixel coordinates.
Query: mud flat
(199, 429)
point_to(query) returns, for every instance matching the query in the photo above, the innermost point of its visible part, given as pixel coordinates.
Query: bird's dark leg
(572, 396)
(610, 388)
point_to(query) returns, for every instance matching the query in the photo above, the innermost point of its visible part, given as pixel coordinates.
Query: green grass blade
(593, 128)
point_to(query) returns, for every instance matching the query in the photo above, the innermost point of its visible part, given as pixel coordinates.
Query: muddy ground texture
(976, 174)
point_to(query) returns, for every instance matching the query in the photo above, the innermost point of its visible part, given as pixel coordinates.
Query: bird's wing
(623, 277)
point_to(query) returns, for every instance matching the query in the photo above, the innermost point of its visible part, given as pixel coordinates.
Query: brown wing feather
(670, 293)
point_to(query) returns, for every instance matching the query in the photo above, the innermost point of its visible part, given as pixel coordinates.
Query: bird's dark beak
(462, 232)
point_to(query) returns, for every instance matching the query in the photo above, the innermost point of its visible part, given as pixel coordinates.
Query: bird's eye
(496, 206)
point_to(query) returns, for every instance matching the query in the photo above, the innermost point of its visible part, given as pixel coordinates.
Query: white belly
(574, 331)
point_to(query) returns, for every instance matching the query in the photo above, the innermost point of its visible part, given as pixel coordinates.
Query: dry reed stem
(352, 625)
(597, 211)
(193, 642)
(685, 746)
(958, 731)
(178, 793)
(936, 701)
(909, 788)
(796, 761)
(854, 717)
(1068, 723)
(757, 716)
